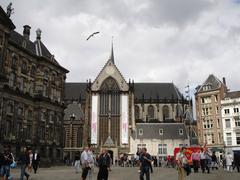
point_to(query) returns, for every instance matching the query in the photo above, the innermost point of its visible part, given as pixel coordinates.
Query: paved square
(124, 173)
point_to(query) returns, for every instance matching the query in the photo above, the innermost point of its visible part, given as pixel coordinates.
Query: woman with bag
(182, 164)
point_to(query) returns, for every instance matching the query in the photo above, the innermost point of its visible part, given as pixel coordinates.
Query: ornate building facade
(208, 109)
(113, 107)
(31, 92)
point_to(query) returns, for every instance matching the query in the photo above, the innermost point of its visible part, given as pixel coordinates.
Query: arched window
(137, 111)
(151, 112)
(165, 111)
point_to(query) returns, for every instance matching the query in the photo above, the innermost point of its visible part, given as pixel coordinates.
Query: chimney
(224, 81)
(26, 31)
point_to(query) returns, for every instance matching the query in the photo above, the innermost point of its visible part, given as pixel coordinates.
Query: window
(29, 114)
(29, 131)
(229, 139)
(24, 67)
(14, 61)
(160, 131)
(165, 112)
(42, 131)
(209, 138)
(20, 111)
(216, 98)
(12, 79)
(21, 84)
(237, 121)
(226, 111)
(236, 110)
(33, 70)
(150, 112)
(227, 123)
(46, 75)
(140, 132)
(180, 131)
(217, 110)
(208, 124)
(237, 138)
(10, 107)
(137, 111)
(162, 148)
(206, 111)
(218, 123)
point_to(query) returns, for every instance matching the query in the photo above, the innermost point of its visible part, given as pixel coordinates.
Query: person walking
(104, 164)
(91, 163)
(85, 163)
(237, 160)
(35, 161)
(203, 160)
(229, 161)
(30, 153)
(214, 161)
(7, 160)
(77, 162)
(208, 160)
(145, 164)
(181, 163)
(24, 162)
(196, 160)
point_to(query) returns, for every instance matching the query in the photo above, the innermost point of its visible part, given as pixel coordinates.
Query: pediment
(110, 70)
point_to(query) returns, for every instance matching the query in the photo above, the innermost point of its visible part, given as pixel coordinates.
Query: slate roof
(75, 91)
(73, 108)
(233, 94)
(170, 131)
(211, 80)
(150, 90)
(156, 91)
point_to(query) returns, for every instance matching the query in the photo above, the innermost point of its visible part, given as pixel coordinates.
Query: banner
(124, 119)
(94, 120)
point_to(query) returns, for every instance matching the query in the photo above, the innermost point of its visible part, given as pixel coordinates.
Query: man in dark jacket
(35, 161)
(7, 159)
(24, 162)
(104, 165)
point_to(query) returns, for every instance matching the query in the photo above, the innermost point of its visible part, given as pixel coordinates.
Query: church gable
(110, 70)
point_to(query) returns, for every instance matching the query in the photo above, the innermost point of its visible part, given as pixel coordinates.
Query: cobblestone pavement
(124, 173)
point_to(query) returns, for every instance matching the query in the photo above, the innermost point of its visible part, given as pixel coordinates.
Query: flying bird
(92, 35)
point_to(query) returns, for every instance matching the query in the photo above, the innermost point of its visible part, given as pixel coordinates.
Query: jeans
(77, 165)
(23, 171)
(5, 171)
(144, 170)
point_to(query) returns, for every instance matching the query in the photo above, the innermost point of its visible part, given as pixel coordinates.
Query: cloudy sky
(180, 41)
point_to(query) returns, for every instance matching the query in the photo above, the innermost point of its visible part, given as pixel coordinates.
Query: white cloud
(163, 41)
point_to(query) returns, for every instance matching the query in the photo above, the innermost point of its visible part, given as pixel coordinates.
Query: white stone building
(231, 121)
(160, 139)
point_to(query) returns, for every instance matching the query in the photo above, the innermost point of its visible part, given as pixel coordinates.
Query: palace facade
(31, 92)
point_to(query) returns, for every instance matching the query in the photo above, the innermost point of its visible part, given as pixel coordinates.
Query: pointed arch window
(165, 111)
(137, 111)
(150, 112)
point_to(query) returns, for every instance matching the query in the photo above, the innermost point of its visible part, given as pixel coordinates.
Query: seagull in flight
(92, 35)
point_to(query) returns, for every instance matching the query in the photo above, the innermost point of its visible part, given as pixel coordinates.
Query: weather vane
(10, 9)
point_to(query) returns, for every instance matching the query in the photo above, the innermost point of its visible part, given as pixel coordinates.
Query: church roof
(156, 91)
(170, 131)
(149, 90)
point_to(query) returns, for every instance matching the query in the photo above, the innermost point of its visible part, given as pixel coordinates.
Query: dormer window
(180, 132)
(140, 132)
(160, 131)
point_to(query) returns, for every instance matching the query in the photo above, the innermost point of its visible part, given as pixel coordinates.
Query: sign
(124, 119)
(94, 120)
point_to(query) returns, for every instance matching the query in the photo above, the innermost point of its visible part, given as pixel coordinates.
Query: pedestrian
(203, 160)
(145, 164)
(91, 163)
(214, 161)
(196, 160)
(237, 160)
(24, 162)
(77, 162)
(6, 162)
(85, 163)
(104, 164)
(181, 164)
(30, 160)
(208, 160)
(229, 161)
(35, 161)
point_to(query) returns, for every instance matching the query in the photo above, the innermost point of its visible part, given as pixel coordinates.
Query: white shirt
(202, 155)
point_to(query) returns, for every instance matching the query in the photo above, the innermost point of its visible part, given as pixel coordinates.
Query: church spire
(112, 54)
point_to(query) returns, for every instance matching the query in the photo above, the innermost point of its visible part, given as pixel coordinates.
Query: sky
(179, 41)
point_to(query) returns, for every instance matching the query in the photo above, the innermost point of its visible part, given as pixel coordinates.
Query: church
(122, 116)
